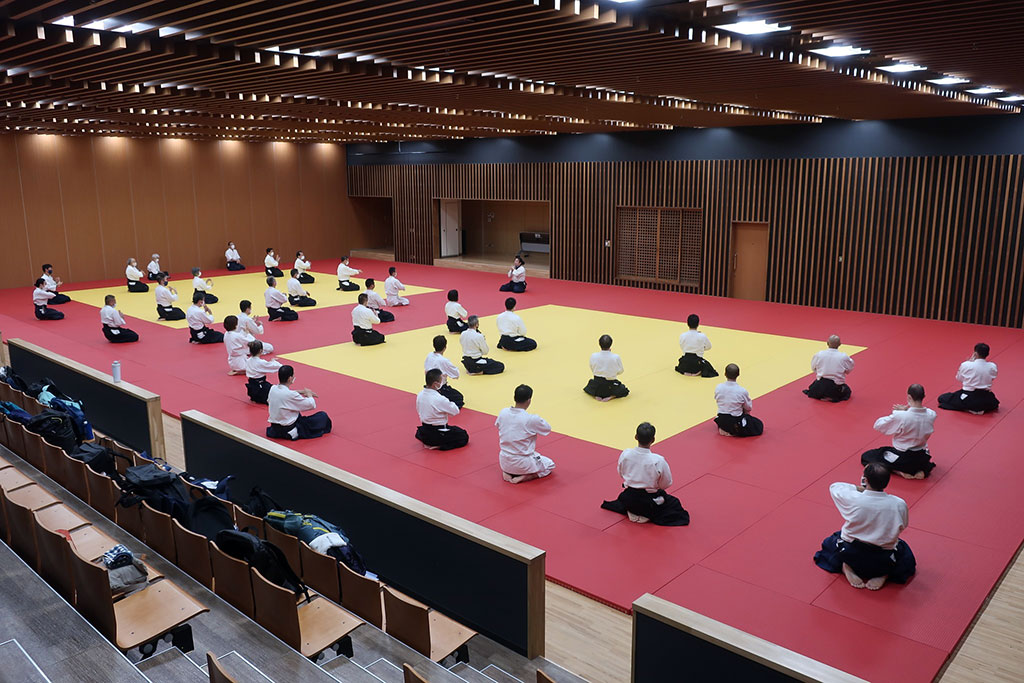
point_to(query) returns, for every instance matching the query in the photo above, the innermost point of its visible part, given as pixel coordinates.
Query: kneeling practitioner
(437, 361)
(303, 266)
(734, 406)
(363, 320)
(113, 324)
(830, 367)
(910, 424)
(51, 284)
(286, 420)
(134, 277)
(645, 476)
(198, 317)
(256, 370)
(236, 343)
(344, 274)
(376, 304)
(455, 313)
(40, 298)
(154, 270)
(868, 549)
(516, 277)
(232, 258)
(434, 410)
(517, 440)
(165, 298)
(250, 326)
(297, 296)
(202, 286)
(513, 330)
(606, 367)
(275, 300)
(474, 351)
(976, 375)
(392, 286)
(270, 264)
(694, 343)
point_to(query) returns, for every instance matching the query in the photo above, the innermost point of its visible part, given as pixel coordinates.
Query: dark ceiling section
(354, 70)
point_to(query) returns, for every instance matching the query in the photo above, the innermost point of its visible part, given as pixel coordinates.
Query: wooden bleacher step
(242, 670)
(171, 666)
(344, 669)
(17, 665)
(471, 675)
(499, 675)
(386, 671)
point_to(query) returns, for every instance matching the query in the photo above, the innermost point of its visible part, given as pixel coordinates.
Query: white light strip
(752, 28)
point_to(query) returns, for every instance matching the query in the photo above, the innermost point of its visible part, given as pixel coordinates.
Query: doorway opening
(488, 234)
(748, 269)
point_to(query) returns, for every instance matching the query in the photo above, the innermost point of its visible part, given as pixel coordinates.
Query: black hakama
(207, 297)
(908, 462)
(301, 301)
(452, 394)
(445, 438)
(744, 425)
(283, 313)
(366, 337)
(866, 560)
(152, 276)
(119, 335)
(44, 313)
(692, 364)
(487, 366)
(516, 343)
(137, 287)
(169, 313)
(517, 287)
(258, 389)
(976, 401)
(235, 265)
(457, 326)
(306, 279)
(205, 336)
(669, 512)
(384, 316)
(602, 387)
(306, 427)
(273, 272)
(58, 299)
(347, 286)
(827, 389)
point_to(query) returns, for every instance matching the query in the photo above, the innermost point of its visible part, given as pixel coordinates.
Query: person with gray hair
(474, 351)
(153, 270)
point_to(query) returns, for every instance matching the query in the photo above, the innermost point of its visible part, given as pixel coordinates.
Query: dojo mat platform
(759, 507)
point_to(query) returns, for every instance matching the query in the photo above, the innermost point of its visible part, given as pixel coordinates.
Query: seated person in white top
(297, 296)
(694, 343)
(868, 549)
(606, 367)
(113, 324)
(134, 276)
(830, 367)
(474, 351)
(434, 410)
(153, 270)
(201, 286)
(256, 370)
(516, 277)
(910, 425)
(734, 406)
(199, 317)
(51, 285)
(249, 324)
(275, 300)
(165, 298)
(233, 258)
(270, 264)
(286, 421)
(302, 265)
(456, 313)
(40, 298)
(236, 344)
(645, 476)
(376, 304)
(392, 286)
(975, 375)
(517, 440)
(363, 320)
(344, 273)
(437, 361)
(513, 330)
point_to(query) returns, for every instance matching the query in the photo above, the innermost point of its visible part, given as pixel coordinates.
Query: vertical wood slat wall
(932, 237)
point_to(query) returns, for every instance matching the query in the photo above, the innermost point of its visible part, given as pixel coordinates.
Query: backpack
(14, 413)
(13, 379)
(36, 388)
(319, 534)
(264, 556)
(100, 458)
(83, 430)
(260, 503)
(55, 427)
(49, 392)
(208, 516)
(161, 489)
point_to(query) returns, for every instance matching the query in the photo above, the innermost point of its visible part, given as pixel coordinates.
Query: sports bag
(161, 489)
(100, 458)
(260, 503)
(83, 430)
(55, 427)
(264, 556)
(318, 534)
(208, 516)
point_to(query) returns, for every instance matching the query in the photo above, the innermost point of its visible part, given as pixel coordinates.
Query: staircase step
(171, 666)
(499, 675)
(465, 671)
(345, 669)
(241, 670)
(16, 665)
(386, 671)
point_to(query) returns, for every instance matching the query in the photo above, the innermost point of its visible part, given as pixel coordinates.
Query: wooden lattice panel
(658, 244)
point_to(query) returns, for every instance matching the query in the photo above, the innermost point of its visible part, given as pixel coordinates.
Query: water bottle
(115, 370)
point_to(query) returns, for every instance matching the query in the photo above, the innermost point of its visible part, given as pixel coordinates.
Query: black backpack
(260, 503)
(161, 489)
(100, 458)
(13, 379)
(56, 427)
(35, 388)
(264, 556)
(208, 516)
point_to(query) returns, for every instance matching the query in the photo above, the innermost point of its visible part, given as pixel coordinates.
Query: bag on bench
(208, 516)
(318, 534)
(12, 378)
(15, 413)
(260, 503)
(161, 489)
(55, 427)
(100, 458)
(83, 430)
(264, 556)
(36, 388)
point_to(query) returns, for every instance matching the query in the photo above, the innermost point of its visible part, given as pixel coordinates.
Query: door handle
(735, 257)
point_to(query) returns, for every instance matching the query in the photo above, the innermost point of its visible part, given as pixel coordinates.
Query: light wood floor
(594, 640)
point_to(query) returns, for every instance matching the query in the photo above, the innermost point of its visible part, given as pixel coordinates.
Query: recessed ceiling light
(902, 68)
(752, 28)
(948, 80)
(840, 51)
(1011, 98)
(986, 90)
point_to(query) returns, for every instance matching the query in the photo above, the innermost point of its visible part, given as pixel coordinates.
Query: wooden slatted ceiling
(458, 68)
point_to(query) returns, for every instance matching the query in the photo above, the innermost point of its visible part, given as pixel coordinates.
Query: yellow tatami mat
(559, 369)
(230, 289)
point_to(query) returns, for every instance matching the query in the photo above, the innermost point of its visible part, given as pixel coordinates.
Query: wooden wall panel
(935, 237)
(149, 221)
(113, 172)
(291, 232)
(40, 190)
(79, 204)
(179, 205)
(17, 262)
(237, 203)
(263, 201)
(208, 191)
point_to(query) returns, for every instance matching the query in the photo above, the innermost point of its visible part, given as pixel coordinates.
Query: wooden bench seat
(427, 631)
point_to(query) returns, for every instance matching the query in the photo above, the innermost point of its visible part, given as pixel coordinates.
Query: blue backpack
(83, 430)
(14, 412)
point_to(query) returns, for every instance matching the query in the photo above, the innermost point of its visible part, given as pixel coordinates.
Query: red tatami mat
(759, 507)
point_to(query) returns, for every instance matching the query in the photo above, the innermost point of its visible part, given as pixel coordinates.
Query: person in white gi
(236, 343)
(517, 440)
(455, 313)
(199, 317)
(41, 296)
(976, 375)
(363, 320)
(694, 343)
(302, 265)
(201, 286)
(344, 273)
(606, 367)
(830, 368)
(165, 298)
(910, 424)
(51, 285)
(297, 296)
(392, 286)
(437, 361)
(434, 410)
(134, 277)
(645, 476)
(256, 370)
(275, 300)
(270, 264)
(513, 330)
(868, 549)
(250, 325)
(285, 406)
(153, 270)
(516, 277)
(113, 324)
(474, 351)
(376, 303)
(233, 258)
(734, 406)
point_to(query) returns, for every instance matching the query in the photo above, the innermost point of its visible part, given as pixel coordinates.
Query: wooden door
(748, 276)
(451, 227)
